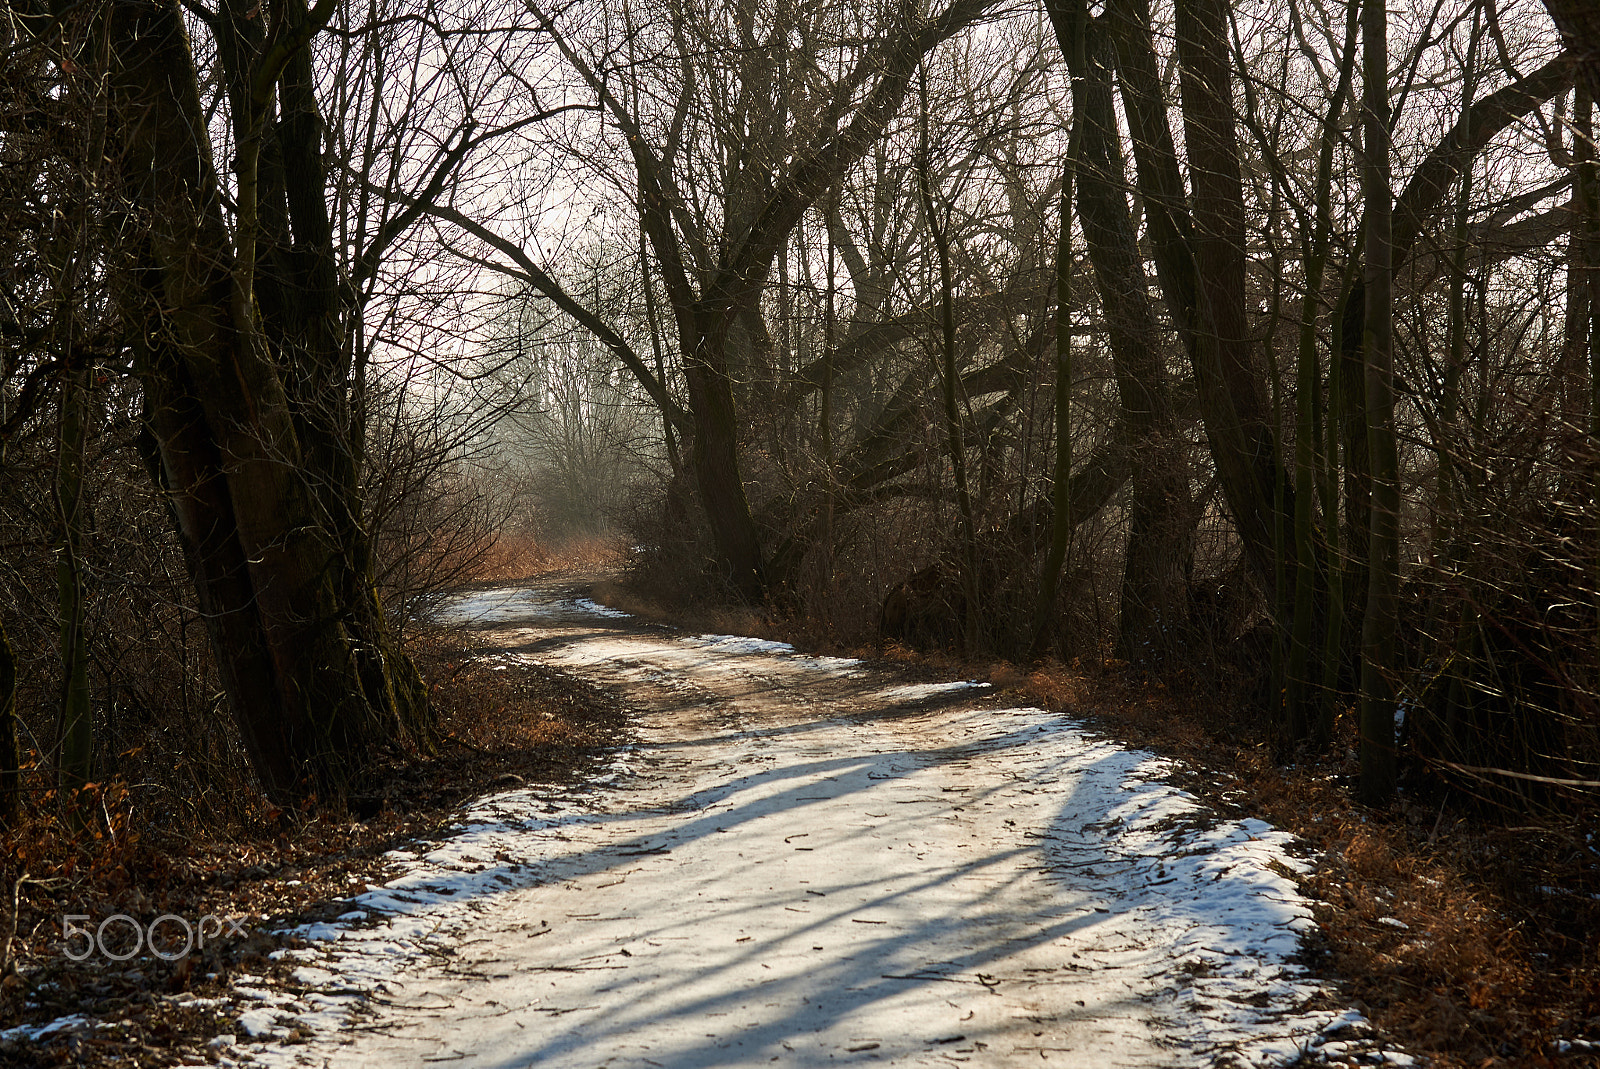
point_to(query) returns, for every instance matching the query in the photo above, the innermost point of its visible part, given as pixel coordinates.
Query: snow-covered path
(804, 861)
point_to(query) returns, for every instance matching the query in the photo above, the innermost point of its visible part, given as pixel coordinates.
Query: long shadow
(1091, 782)
(844, 986)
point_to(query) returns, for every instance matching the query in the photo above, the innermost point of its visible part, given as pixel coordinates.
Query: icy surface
(803, 861)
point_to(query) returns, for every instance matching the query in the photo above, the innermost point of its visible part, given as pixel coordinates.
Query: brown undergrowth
(503, 724)
(1468, 936)
(520, 557)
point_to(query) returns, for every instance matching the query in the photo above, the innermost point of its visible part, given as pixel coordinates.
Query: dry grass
(520, 555)
(700, 616)
(512, 555)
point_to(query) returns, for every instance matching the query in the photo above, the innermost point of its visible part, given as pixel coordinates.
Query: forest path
(807, 861)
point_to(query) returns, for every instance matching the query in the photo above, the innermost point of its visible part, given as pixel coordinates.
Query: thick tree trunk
(313, 344)
(1160, 522)
(1199, 256)
(312, 690)
(1166, 204)
(1237, 417)
(714, 458)
(1579, 24)
(197, 492)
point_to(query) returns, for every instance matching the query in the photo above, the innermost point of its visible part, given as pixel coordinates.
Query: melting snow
(599, 610)
(921, 691)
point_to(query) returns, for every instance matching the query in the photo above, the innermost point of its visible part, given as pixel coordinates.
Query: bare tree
(773, 168)
(257, 464)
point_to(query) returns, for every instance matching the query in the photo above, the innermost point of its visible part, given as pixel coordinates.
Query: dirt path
(807, 861)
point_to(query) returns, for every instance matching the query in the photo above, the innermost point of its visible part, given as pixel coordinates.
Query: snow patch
(599, 610)
(916, 692)
(484, 607)
(258, 1024)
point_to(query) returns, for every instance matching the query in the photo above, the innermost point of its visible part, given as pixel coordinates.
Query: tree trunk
(1237, 416)
(1417, 207)
(1308, 716)
(1378, 627)
(1581, 348)
(948, 375)
(1166, 205)
(768, 201)
(714, 457)
(1159, 521)
(1060, 486)
(1580, 358)
(196, 490)
(1447, 613)
(1335, 648)
(314, 346)
(316, 688)
(1579, 24)
(77, 714)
